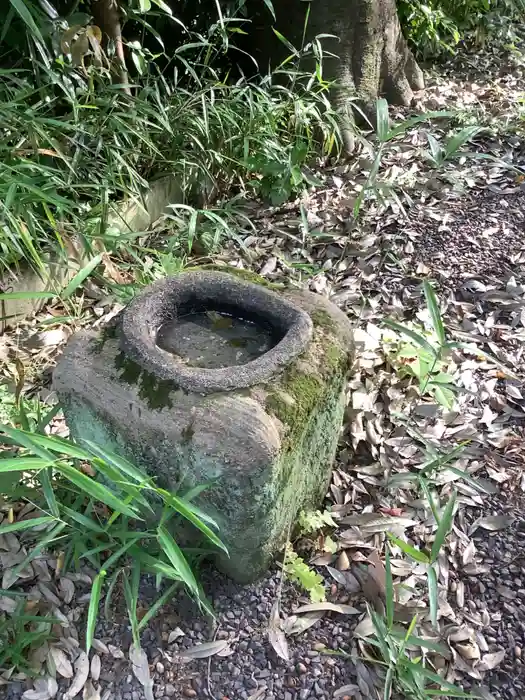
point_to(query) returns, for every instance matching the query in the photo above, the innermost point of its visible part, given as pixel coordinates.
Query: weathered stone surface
(265, 449)
(13, 310)
(138, 214)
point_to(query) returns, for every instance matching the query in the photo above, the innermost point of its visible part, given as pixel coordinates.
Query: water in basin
(211, 340)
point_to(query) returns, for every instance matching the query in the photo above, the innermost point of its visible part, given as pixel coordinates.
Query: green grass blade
(27, 440)
(8, 296)
(112, 560)
(416, 337)
(133, 494)
(444, 528)
(382, 118)
(84, 522)
(285, 41)
(460, 139)
(154, 564)
(26, 524)
(135, 584)
(96, 591)
(46, 419)
(452, 694)
(23, 464)
(435, 464)
(109, 593)
(60, 445)
(389, 592)
(81, 276)
(471, 480)
(435, 149)
(432, 594)
(41, 545)
(421, 643)
(429, 496)
(95, 490)
(270, 7)
(49, 493)
(409, 123)
(381, 633)
(410, 551)
(389, 682)
(447, 689)
(435, 314)
(407, 637)
(23, 11)
(188, 512)
(474, 350)
(118, 462)
(177, 558)
(130, 594)
(157, 605)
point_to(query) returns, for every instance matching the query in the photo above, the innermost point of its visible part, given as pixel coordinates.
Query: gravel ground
(252, 670)
(499, 585)
(474, 247)
(478, 236)
(464, 244)
(481, 239)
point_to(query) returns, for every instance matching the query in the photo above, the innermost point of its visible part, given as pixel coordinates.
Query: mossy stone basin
(212, 378)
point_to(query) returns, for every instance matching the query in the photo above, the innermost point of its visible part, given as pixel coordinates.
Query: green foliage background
(437, 27)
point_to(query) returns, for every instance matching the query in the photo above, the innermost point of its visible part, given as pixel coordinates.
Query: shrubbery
(436, 27)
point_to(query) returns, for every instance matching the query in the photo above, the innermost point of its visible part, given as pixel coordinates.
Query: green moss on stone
(333, 359)
(246, 275)
(323, 319)
(310, 440)
(300, 392)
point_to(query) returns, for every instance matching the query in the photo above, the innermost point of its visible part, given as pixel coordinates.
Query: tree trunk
(368, 57)
(107, 17)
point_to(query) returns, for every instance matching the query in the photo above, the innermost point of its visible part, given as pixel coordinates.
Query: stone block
(262, 435)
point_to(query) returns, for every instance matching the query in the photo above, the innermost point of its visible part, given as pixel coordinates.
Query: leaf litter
(461, 226)
(466, 234)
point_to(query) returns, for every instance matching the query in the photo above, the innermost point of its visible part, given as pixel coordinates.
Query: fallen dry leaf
(492, 523)
(276, 635)
(490, 661)
(80, 678)
(297, 624)
(36, 695)
(203, 651)
(90, 692)
(175, 634)
(61, 662)
(115, 652)
(95, 667)
(332, 607)
(140, 668)
(100, 646)
(469, 650)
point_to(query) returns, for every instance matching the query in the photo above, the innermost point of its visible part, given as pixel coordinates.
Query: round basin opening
(216, 336)
(210, 331)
